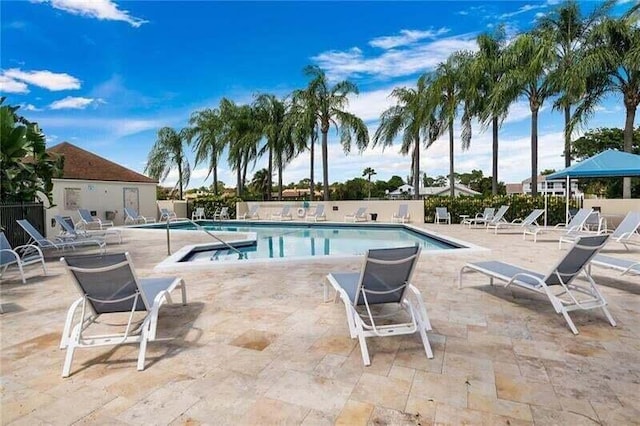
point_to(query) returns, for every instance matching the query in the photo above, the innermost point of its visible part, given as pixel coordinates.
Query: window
(71, 198)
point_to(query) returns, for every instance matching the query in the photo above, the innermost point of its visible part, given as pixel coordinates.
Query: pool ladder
(200, 227)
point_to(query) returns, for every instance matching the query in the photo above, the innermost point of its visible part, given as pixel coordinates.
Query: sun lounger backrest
(386, 274)
(488, 213)
(103, 278)
(85, 215)
(441, 211)
(5, 257)
(628, 226)
(403, 210)
(578, 256)
(319, 210)
(498, 217)
(533, 216)
(131, 213)
(254, 210)
(579, 218)
(66, 223)
(34, 233)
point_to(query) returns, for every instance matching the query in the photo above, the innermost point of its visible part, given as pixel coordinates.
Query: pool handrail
(200, 227)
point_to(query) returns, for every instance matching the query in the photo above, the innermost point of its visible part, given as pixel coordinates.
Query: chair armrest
(13, 252)
(27, 248)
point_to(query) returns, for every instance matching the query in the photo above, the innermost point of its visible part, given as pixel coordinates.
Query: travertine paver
(257, 345)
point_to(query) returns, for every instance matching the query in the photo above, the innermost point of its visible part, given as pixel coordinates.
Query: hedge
(519, 206)
(211, 203)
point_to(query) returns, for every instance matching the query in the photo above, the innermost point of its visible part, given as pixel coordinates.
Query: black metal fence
(11, 212)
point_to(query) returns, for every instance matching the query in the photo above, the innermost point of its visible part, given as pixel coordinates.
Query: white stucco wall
(101, 196)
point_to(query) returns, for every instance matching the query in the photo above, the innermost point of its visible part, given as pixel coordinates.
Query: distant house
(406, 191)
(553, 187)
(91, 182)
(297, 194)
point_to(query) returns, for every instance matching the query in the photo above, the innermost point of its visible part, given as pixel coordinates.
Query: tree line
(568, 59)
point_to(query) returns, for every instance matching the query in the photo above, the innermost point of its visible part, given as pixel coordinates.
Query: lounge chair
(166, 214)
(359, 215)
(623, 233)
(283, 214)
(497, 219)
(222, 214)
(317, 215)
(69, 231)
(21, 256)
(385, 279)
(44, 244)
(108, 284)
(402, 215)
(528, 221)
(570, 294)
(442, 215)
(92, 222)
(482, 218)
(133, 216)
(198, 214)
(252, 213)
(575, 225)
(626, 266)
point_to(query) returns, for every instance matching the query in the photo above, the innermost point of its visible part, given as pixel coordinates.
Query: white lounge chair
(283, 214)
(166, 214)
(133, 217)
(92, 222)
(442, 215)
(36, 238)
(402, 215)
(626, 266)
(528, 221)
(624, 232)
(198, 214)
(317, 215)
(482, 218)
(108, 284)
(559, 285)
(359, 215)
(385, 279)
(498, 218)
(252, 213)
(20, 256)
(69, 231)
(575, 225)
(222, 214)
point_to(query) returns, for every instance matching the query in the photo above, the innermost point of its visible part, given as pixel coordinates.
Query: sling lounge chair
(575, 225)
(442, 215)
(317, 215)
(222, 214)
(283, 214)
(69, 231)
(198, 214)
(108, 284)
(498, 218)
(402, 215)
(559, 284)
(626, 266)
(623, 233)
(359, 215)
(133, 217)
(21, 256)
(36, 238)
(252, 213)
(385, 279)
(528, 221)
(166, 214)
(482, 218)
(92, 222)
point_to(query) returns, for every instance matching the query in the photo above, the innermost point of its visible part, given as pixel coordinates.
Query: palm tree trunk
(239, 178)
(244, 173)
(270, 180)
(451, 172)
(534, 152)
(325, 165)
(416, 168)
(494, 177)
(280, 180)
(215, 173)
(567, 136)
(311, 183)
(180, 178)
(628, 141)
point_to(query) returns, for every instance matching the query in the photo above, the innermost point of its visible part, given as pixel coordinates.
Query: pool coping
(173, 262)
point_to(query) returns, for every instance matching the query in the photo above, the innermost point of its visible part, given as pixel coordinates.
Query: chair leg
(71, 347)
(24, 281)
(183, 289)
(572, 326)
(609, 317)
(363, 345)
(143, 347)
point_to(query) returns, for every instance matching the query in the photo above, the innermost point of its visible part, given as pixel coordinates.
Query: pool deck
(257, 345)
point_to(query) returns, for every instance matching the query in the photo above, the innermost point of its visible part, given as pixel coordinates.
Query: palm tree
(330, 103)
(261, 183)
(483, 73)
(447, 91)
(168, 153)
(207, 129)
(368, 172)
(411, 117)
(301, 123)
(569, 31)
(612, 64)
(527, 62)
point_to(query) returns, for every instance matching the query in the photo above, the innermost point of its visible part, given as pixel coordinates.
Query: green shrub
(211, 203)
(519, 206)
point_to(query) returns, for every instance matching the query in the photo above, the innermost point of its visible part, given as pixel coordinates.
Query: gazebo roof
(609, 163)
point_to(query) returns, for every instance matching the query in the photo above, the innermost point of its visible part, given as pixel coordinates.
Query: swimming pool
(304, 240)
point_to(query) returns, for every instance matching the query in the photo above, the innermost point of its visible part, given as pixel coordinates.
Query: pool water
(302, 240)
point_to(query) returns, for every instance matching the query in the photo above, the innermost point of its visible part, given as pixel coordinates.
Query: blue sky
(106, 75)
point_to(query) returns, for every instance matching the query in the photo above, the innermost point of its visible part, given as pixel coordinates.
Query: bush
(519, 206)
(211, 203)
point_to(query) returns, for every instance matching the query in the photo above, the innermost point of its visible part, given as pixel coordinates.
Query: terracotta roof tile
(81, 164)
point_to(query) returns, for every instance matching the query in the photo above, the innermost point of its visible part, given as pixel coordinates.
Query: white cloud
(413, 59)
(31, 107)
(106, 128)
(74, 102)
(9, 85)
(523, 9)
(100, 9)
(45, 79)
(406, 37)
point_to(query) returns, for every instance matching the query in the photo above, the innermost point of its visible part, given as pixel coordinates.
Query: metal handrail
(200, 227)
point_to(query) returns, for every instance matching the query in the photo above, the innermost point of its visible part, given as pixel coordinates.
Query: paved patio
(257, 345)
